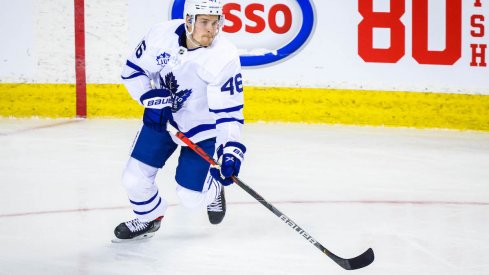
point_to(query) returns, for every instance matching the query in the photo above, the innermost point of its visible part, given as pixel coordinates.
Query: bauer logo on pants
(264, 31)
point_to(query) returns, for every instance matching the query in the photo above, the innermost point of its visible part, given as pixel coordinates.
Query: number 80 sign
(391, 20)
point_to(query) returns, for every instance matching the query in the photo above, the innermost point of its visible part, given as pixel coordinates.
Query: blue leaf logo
(178, 97)
(169, 83)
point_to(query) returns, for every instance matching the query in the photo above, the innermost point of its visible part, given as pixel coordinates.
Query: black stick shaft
(289, 222)
(355, 263)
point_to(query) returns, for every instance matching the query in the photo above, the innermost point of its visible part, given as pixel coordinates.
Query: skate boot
(136, 229)
(217, 209)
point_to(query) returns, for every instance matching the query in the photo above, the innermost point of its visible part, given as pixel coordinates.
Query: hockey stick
(360, 261)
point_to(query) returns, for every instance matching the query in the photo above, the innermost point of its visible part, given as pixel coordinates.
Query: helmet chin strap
(193, 41)
(190, 32)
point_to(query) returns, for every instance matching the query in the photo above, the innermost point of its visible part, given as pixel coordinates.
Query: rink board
(310, 105)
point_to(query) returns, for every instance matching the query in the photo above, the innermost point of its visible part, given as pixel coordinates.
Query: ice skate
(136, 230)
(217, 209)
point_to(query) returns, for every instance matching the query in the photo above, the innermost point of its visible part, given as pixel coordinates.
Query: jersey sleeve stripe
(133, 75)
(135, 67)
(229, 119)
(227, 110)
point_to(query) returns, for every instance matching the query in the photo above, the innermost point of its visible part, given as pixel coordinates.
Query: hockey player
(186, 74)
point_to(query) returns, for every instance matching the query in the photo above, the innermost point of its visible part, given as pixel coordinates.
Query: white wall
(37, 41)
(38, 46)
(17, 34)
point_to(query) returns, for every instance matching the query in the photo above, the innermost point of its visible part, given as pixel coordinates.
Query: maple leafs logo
(169, 83)
(178, 97)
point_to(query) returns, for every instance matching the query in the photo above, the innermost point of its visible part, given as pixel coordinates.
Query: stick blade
(361, 261)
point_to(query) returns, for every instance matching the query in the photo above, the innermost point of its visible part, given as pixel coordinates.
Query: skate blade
(138, 238)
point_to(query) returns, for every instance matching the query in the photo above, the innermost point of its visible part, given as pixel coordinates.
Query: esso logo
(264, 31)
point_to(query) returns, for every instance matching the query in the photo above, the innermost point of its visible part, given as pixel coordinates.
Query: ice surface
(419, 198)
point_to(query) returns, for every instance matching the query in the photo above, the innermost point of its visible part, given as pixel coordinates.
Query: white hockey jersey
(205, 82)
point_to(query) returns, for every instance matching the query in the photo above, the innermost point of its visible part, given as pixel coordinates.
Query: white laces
(136, 225)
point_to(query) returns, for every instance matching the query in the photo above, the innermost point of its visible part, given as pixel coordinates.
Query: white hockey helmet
(193, 8)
